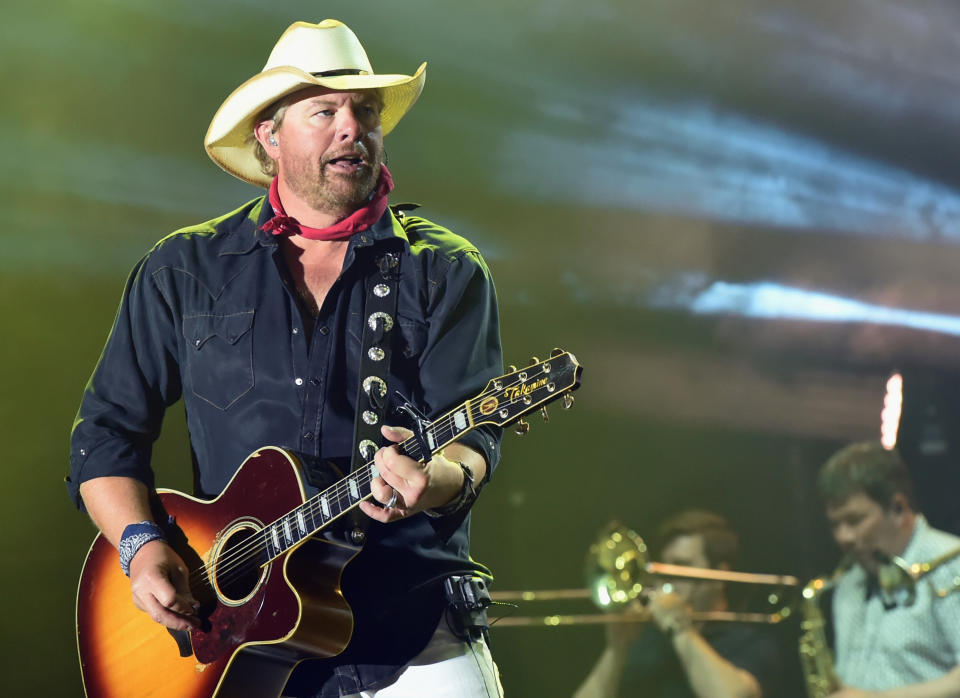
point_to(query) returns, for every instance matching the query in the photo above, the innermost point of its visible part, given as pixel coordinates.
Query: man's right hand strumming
(159, 581)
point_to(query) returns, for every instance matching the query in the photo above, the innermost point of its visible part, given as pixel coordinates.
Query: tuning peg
(544, 413)
(567, 401)
(511, 368)
(521, 427)
(533, 361)
(557, 351)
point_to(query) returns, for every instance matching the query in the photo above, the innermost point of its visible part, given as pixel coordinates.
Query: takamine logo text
(515, 392)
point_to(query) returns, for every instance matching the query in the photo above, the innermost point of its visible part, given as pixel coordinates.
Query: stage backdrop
(742, 218)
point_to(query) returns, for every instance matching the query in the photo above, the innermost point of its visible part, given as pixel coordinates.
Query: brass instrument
(898, 575)
(816, 658)
(617, 572)
(895, 575)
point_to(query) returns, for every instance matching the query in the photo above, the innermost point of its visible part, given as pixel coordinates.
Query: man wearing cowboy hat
(260, 320)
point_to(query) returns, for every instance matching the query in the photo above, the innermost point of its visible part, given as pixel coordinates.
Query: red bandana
(282, 224)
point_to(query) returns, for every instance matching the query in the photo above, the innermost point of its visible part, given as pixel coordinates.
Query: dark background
(741, 217)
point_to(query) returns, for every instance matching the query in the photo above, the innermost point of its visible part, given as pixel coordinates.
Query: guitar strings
(237, 562)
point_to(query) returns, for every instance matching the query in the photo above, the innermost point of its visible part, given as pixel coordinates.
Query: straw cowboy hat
(327, 54)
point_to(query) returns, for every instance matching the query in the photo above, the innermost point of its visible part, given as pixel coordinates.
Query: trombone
(618, 571)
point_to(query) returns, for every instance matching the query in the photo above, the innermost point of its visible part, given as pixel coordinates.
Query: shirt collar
(920, 527)
(246, 235)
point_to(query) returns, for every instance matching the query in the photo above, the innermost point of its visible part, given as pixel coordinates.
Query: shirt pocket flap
(198, 329)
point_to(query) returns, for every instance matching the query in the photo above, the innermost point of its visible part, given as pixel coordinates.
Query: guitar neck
(504, 400)
(329, 505)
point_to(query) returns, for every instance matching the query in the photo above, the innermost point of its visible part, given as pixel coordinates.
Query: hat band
(334, 73)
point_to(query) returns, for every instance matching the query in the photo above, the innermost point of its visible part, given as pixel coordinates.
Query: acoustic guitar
(268, 587)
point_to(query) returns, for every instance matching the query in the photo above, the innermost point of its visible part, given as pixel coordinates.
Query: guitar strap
(380, 311)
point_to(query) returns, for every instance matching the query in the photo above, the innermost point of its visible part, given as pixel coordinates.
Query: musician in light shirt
(894, 638)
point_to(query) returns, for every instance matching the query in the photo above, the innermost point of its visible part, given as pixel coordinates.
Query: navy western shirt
(210, 314)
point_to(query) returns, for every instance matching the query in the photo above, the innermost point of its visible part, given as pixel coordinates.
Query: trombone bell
(616, 566)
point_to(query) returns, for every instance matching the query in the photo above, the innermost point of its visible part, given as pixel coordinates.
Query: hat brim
(228, 137)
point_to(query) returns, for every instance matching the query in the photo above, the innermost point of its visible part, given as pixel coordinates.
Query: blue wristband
(134, 537)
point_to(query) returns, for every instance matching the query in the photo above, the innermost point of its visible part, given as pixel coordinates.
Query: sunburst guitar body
(260, 620)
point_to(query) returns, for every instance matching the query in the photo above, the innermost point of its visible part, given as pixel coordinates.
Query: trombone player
(673, 656)
(896, 639)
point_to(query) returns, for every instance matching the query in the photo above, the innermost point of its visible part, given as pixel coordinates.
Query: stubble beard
(335, 193)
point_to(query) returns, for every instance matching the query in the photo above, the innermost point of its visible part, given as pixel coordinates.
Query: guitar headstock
(508, 398)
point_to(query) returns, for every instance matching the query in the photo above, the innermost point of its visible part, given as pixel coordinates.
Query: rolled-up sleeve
(134, 381)
(463, 349)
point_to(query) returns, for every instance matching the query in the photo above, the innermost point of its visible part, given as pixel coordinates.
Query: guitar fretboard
(503, 400)
(335, 501)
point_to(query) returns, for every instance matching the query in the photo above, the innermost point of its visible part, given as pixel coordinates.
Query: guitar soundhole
(238, 570)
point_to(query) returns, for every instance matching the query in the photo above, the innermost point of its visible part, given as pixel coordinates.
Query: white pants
(447, 667)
